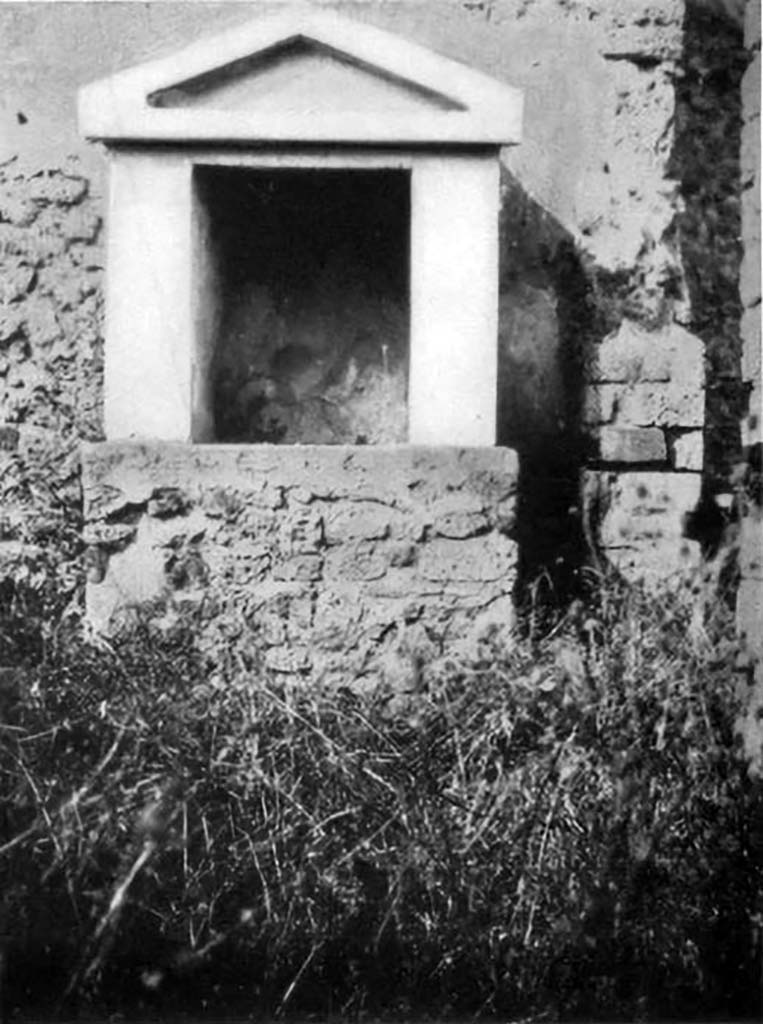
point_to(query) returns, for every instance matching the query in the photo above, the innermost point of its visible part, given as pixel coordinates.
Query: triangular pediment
(310, 77)
(301, 76)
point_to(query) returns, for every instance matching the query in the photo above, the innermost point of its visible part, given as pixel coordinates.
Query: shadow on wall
(546, 327)
(706, 162)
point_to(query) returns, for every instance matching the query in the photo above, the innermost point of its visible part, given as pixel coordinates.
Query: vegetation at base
(563, 826)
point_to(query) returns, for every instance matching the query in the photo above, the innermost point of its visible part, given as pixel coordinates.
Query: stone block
(401, 554)
(298, 567)
(168, 501)
(653, 564)
(17, 210)
(242, 563)
(15, 282)
(473, 559)
(133, 577)
(600, 404)
(689, 451)
(338, 612)
(400, 584)
(81, 224)
(458, 516)
(272, 629)
(632, 444)
(639, 520)
(41, 323)
(12, 320)
(300, 532)
(674, 404)
(362, 521)
(632, 355)
(108, 534)
(671, 404)
(57, 189)
(495, 623)
(358, 560)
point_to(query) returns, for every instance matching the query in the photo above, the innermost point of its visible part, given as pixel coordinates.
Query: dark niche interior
(308, 271)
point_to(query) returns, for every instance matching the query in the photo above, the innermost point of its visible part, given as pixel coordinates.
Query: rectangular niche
(302, 305)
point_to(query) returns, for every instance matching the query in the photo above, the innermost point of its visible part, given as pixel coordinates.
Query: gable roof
(303, 77)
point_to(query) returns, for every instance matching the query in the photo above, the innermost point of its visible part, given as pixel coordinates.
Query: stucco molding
(185, 97)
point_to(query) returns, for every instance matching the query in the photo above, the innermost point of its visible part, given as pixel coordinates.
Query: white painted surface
(452, 386)
(308, 82)
(161, 293)
(149, 328)
(463, 105)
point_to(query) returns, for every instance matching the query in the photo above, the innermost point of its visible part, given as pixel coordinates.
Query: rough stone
(363, 521)
(634, 355)
(42, 326)
(299, 567)
(472, 559)
(645, 405)
(301, 533)
(57, 189)
(358, 560)
(689, 451)
(11, 321)
(632, 444)
(646, 378)
(108, 534)
(639, 519)
(458, 516)
(17, 210)
(15, 282)
(331, 577)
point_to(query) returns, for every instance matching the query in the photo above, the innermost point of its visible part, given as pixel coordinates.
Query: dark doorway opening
(302, 304)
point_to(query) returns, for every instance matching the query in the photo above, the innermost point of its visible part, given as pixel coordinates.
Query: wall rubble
(50, 351)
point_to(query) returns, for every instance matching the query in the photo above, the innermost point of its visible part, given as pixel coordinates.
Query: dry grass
(564, 826)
